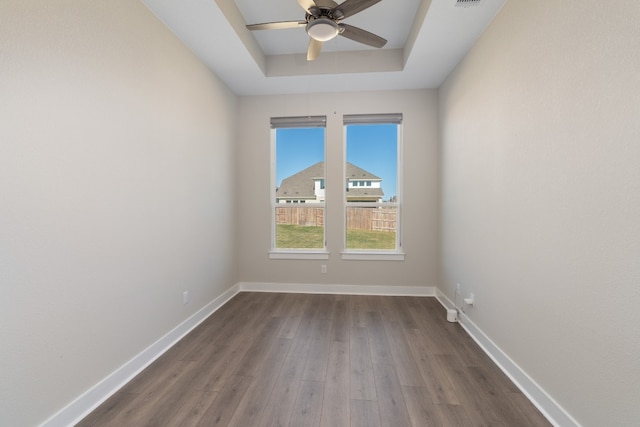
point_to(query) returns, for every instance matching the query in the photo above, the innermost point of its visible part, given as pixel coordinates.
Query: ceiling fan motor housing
(323, 23)
(322, 29)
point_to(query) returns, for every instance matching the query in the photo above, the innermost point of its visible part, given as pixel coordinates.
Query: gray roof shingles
(300, 185)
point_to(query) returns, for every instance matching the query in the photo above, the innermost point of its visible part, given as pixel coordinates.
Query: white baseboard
(554, 413)
(305, 288)
(92, 398)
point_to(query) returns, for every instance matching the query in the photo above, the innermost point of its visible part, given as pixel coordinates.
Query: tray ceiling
(426, 39)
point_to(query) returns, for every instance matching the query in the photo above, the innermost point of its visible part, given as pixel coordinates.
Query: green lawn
(298, 236)
(368, 239)
(294, 236)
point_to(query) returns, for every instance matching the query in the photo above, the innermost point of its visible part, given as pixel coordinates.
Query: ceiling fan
(323, 23)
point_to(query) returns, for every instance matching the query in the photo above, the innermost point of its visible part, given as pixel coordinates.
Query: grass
(296, 236)
(368, 239)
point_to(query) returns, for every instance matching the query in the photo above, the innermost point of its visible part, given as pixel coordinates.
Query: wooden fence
(361, 218)
(374, 218)
(307, 216)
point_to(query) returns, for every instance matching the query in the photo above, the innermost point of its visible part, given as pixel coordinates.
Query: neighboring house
(307, 186)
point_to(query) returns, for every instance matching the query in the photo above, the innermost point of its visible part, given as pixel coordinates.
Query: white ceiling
(426, 39)
(390, 19)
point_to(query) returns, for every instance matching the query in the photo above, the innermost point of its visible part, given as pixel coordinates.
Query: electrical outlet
(185, 297)
(457, 288)
(323, 269)
(471, 300)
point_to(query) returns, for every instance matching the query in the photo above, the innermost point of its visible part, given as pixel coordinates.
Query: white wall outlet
(471, 300)
(457, 288)
(323, 269)
(185, 297)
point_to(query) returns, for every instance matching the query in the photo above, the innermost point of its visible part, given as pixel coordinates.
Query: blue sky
(297, 149)
(371, 147)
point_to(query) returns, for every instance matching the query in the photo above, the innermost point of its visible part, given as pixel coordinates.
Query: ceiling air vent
(467, 3)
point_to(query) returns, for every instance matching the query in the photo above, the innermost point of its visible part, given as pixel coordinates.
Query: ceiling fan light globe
(322, 29)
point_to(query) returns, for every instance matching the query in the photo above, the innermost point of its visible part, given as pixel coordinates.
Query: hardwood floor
(269, 359)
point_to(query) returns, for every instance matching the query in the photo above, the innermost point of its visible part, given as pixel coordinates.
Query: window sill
(373, 256)
(300, 254)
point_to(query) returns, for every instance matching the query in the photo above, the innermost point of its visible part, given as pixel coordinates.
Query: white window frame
(295, 253)
(382, 254)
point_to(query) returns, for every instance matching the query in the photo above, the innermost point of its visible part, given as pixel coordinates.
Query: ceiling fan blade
(315, 47)
(277, 25)
(306, 4)
(351, 7)
(329, 4)
(361, 36)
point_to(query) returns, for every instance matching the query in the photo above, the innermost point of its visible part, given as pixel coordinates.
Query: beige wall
(420, 189)
(118, 149)
(540, 205)
(116, 163)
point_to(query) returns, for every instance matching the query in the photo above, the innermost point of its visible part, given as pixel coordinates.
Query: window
(372, 191)
(298, 177)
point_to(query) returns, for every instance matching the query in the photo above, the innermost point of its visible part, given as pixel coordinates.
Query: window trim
(378, 255)
(354, 255)
(294, 253)
(298, 254)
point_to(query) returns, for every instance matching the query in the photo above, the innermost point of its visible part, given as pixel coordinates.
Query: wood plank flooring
(267, 359)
